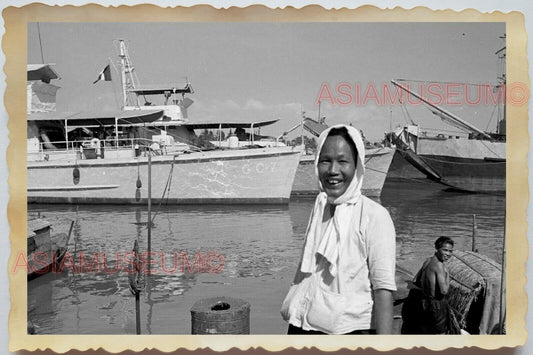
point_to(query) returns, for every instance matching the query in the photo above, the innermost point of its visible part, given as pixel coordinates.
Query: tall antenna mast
(126, 74)
(123, 63)
(502, 81)
(390, 119)
(40, 42)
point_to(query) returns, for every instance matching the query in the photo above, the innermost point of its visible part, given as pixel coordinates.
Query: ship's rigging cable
(491, 117)
(431, 129)
(482, 141)
(371, 157)
(40, 42)
(444, 82)
(490, 150)
(376, 170)
(406, 113)
(166, 190)
(409, 120)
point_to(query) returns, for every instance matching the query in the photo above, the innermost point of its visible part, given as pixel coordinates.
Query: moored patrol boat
(110, 157)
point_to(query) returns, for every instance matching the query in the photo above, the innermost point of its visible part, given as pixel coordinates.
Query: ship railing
(99, 149)
(442, 133)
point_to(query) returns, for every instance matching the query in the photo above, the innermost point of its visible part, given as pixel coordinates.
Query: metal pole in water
(148, 272)
(134, 274)
(502, 279)
(137, 314)
(474, 233)
(149, 205)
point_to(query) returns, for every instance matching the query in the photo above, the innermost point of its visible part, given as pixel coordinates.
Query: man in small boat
(346, 274)
(426, 309)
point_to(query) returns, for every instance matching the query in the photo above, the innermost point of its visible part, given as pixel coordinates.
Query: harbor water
(247, 252)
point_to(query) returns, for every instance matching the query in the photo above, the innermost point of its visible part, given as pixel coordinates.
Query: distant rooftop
(43, 72)
(231, 123)
(162, 89)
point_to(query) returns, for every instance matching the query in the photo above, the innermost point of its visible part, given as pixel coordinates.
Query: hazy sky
(263, 71)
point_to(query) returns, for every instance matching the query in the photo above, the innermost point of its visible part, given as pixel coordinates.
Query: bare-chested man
(426, 309)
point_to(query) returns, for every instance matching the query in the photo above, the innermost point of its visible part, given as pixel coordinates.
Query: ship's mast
(502, 81)
(127, 76)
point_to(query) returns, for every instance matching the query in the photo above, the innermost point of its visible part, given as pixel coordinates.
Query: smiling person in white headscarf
(346, 275)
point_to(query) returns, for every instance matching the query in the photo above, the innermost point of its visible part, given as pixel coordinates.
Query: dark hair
(343, 132)
(443, 240)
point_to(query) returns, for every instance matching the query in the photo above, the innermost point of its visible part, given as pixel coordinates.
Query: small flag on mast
(105, 74)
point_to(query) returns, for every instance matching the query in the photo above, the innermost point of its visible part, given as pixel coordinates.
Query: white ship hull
(226, 177)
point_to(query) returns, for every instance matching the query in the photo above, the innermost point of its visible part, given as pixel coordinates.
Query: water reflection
(423, 211)
(248, 240)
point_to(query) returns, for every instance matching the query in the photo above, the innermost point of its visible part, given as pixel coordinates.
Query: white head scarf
(352, 193)
(328, 241)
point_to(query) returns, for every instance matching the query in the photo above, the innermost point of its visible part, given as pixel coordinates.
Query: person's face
(445, 252)
(336, 166)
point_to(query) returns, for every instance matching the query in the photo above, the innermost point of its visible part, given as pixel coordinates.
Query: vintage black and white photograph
(266, 177)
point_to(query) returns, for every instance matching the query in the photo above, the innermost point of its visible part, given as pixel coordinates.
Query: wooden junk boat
(475, 163)
(45, 249)
(476, 294)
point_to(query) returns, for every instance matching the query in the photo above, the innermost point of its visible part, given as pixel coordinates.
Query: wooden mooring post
(137, 280)
(149, 206)
(474, 227)
(502, 280)
(134, 275)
